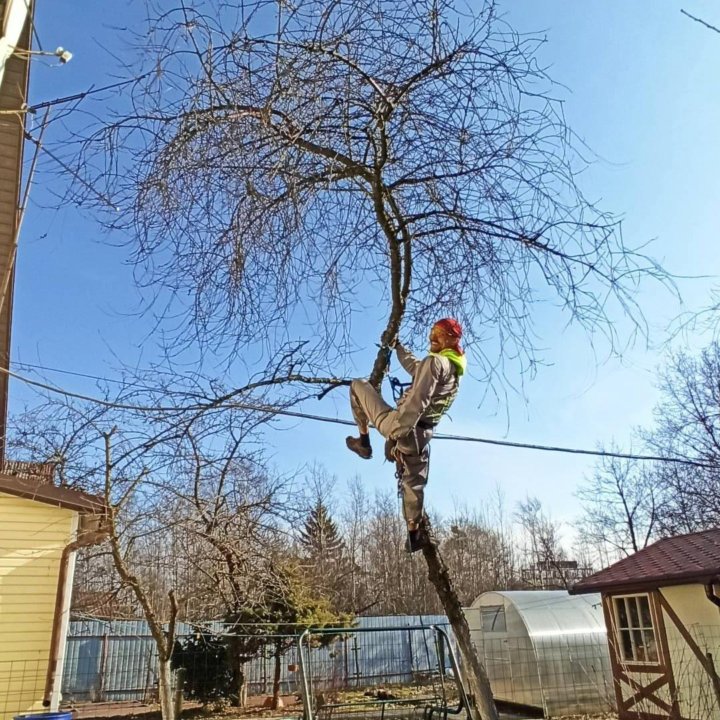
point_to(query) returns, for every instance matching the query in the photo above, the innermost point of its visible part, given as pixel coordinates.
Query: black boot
(417, 540)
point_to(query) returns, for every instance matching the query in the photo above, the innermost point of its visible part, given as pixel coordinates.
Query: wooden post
(179, 687)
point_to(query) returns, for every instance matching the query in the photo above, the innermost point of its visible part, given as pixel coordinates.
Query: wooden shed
(662, 614)
(41, 528)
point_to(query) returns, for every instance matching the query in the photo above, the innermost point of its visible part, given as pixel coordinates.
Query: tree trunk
(474, 677)
(165, 689)
(276, 676)
(236, 660)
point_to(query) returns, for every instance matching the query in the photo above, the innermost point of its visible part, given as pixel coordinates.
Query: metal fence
(109, 662)
(21, 683)
(112, 661)
(401, 667)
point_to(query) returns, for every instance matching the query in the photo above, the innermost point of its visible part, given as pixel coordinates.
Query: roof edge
(645, 584)
(43, 492)
(13, 18)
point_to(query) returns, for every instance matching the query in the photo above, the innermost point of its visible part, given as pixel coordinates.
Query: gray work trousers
(368, 407)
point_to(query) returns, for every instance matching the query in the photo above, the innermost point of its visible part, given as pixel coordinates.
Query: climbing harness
(398, 388)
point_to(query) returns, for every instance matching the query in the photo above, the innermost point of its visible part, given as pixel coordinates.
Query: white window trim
(617, 630)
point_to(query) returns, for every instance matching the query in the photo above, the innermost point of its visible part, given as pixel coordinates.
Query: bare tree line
(364, 569)
(203, 529)
(630, 504)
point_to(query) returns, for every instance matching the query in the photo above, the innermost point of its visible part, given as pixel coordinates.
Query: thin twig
(701, 21)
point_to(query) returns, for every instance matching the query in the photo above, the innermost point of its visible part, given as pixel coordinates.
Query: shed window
(634, 628)
(493, 618)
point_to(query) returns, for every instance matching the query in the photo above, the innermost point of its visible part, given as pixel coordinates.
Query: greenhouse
(544, 649)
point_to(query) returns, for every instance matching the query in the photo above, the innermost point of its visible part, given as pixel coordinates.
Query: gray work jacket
(434, 387)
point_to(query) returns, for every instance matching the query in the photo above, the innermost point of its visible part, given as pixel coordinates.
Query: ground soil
(292, 709)
(151, 711)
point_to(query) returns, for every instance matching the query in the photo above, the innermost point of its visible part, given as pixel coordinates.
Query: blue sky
(640, 86)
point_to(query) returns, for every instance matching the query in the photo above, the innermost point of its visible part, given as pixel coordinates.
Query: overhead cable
(90, 91)
(213, 405)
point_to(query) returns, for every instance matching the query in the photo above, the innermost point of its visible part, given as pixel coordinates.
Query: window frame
(498, 611)
(631, 630)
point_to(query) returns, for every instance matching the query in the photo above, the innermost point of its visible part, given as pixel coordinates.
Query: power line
(274, 410)
(47, 368)
(86, 93)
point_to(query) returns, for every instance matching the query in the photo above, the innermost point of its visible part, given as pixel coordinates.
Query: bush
(204, 657)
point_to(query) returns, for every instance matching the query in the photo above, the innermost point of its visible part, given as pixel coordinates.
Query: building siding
(701, 619)
(32, 539)
(13, 94)
(692, 606)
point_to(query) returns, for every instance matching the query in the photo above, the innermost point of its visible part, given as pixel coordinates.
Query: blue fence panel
(117, 660)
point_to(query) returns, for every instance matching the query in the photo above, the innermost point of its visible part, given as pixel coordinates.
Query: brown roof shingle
(672, 561)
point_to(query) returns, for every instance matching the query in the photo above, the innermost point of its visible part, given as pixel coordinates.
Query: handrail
(306, 696)
(456, 671)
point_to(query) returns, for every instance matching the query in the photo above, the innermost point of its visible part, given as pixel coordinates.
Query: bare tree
(702, 22)
(361, 597)
(118, 492)
(330, 153)
(621, 507)
(545, 557)
(242, 516)
(161, 463)
(295, 154)
(476, 554)
(396, 581)
(687, 425)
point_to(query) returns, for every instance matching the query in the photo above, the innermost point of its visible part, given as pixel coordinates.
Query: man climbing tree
(280, 167)
(409, 428)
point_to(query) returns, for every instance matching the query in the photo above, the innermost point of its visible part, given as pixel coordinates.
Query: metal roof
(672, 561)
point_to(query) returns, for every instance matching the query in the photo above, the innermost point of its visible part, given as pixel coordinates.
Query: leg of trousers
(415, 453)
(367, 405)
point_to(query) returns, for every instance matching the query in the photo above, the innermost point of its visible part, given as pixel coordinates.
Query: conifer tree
(326, 562)
(320, 536)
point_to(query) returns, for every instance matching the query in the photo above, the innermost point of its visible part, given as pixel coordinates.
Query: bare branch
(699, 20)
